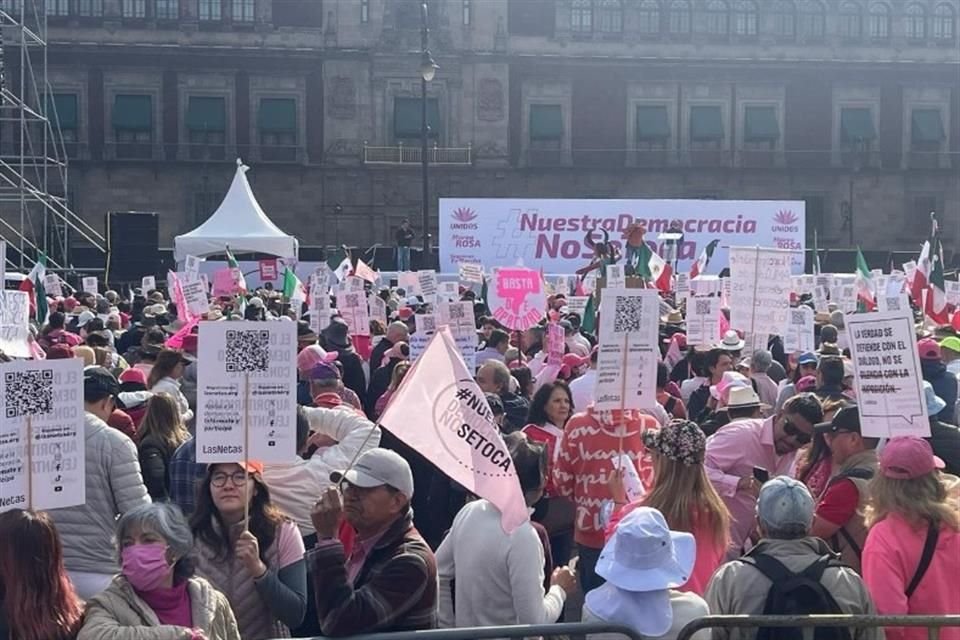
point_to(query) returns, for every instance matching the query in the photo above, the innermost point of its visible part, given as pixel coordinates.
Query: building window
(408, 118)
(649, 14)
(718, 18)
(136, 9)
(58, 7)
(680, 20)
(813, 19)
(132, 121)
(62, 112)
(916, 22)
(857, 132)
(211, 10)
(706, 127)
(242, 10)
(364, 11)
(785, 19)
(168, 9)
(652, 137)
(11, 6)
(206, 124)
(879, 21)
(610, 16)
(745, 18)
(90, 8)
(944, 22)
(926, 130)
(851, 21)
(467, 13)
(760, 128)
(277, 127)
(581, 16)
(546, 134)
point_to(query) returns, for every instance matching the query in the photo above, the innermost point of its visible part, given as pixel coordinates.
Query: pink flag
(724, 324)
(454, 428)
(176, 291)
(364, 271)
(176, 340)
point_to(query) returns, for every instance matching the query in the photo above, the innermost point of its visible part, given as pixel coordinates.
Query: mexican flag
(589, 321)
(700, 266)
(936, 305)
(864, 282)
(293, 289)
(919, 283)
(661, 273)
(237, 271)
(33, 285)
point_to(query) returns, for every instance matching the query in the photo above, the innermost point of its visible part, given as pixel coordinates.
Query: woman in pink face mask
(157, 596)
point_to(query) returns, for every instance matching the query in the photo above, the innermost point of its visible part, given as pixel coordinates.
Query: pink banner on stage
(518, 298)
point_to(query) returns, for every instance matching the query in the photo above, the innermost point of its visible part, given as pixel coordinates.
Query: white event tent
(239, 223)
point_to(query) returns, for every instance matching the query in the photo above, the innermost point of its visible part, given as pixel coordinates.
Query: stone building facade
(822, 100)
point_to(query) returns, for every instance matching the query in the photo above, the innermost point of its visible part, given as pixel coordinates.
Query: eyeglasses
(802, 437)
(219, 480)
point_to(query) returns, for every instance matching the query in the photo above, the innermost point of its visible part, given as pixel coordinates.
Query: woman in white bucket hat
(643, 562)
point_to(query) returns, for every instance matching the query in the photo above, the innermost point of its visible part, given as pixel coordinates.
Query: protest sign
(887, 372)
(616, 278)
(845, 297)
(449, 291)
(246, 392)
(821, 303)
(319, 308)
(409, 282)
(51, 283)
(42, 453)
(425, 329)
(799, 336)
(378, 309)
(15, 324)
(682, 284)
(628, 356)
(577, 305)
(459, 318)
(953, 292)
(562, 285)
(191, 268)
(148, 284)
(517, 299)
(205, 281)
(224, 285)
(427, 284)
(353, 284)
(90, 284)
(471, 273)
(268, 269)
(703, 320)
(353, 309)
(898, 302)
(195, 297)
(759, 289)
(556, 344)
(706, 285)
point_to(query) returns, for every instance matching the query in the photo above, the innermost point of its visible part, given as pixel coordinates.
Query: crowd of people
(750, 488)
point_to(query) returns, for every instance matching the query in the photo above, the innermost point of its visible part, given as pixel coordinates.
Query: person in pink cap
(912, 554)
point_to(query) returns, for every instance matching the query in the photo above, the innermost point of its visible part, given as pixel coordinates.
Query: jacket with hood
(118, 613)
(114, 486)
(945, 441)
(944, 385)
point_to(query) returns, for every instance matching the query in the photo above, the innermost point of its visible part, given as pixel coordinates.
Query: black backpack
(797, 594)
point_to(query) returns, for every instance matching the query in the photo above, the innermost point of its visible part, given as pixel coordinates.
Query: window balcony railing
(411, 154)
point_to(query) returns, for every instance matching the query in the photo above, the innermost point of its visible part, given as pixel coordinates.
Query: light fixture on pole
(428, 70)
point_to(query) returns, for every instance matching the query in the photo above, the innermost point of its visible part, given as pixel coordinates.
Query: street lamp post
(428, 69)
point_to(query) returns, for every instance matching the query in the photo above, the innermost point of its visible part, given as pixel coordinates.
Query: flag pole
(29, 456)
(246, 449)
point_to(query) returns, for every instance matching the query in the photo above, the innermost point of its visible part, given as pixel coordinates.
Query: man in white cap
(388, 580)
(787, 551)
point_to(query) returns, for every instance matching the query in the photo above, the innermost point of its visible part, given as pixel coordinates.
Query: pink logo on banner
(268, 269)
(224, 283)
(518, 298)
(556, 341)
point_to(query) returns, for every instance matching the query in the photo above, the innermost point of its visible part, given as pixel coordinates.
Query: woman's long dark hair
(538, 406)
(167, 361)
(38, 599)
(208, 526)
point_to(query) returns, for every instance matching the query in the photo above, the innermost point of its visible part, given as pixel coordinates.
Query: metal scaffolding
(35, 213)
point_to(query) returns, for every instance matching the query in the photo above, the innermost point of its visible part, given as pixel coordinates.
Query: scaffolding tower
(35, 212)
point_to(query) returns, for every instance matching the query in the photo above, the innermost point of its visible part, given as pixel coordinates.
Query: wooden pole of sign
(29, 456)
(623, 394)
(246, 449)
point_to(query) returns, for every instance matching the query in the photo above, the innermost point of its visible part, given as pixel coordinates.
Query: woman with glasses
(249, 550)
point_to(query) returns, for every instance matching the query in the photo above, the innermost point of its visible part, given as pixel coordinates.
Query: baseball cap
(929, 349)
(379, 467)
(952, 343)
(325, 371)
(807, 358)
(98, 383)
(846, 420)
(252, 466)
(84, 318)
(908, 457)
(785, 502)
(136, 376)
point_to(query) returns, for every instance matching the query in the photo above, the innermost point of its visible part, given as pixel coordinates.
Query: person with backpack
(912, 554)
(788, 573)
(839, 515)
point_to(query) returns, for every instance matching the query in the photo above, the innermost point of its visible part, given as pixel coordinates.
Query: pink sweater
(890, 559)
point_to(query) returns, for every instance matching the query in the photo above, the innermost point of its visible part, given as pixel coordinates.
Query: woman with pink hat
(912, 554)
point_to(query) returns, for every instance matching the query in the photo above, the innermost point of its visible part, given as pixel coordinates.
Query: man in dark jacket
(494, 377)
(336, 337)
(389, 581)
(944, 438)
(935, 372)
(396, 332)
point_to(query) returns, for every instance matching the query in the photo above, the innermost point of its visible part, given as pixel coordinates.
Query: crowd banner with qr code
(887, 374)
(426, 329)
(517, 297)
(458, 316)
(427, 284)
(799, 337)
(319, 308)
(91, 284)
(196, 297)
(15, 324)
(353, 309)
(44, 398)
(246, 377)
(703, 320)
(148, 284)
(628, 356)
(191, 269)
(760, 284)
(378, 308)
(552, 233)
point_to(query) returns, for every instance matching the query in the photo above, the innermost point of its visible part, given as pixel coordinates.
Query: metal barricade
(932, 623)
(573, 629)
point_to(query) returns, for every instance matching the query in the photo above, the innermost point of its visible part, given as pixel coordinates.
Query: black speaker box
(133, 246)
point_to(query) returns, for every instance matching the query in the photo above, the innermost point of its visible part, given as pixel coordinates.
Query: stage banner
(550, 234)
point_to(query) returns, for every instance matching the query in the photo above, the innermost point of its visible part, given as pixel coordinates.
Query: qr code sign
(248, 351)
(627, 313)
(456, 312)
(703, 307)
(28, 393)
(797, 317)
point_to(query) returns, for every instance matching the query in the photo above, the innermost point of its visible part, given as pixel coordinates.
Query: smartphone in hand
(760, 474)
